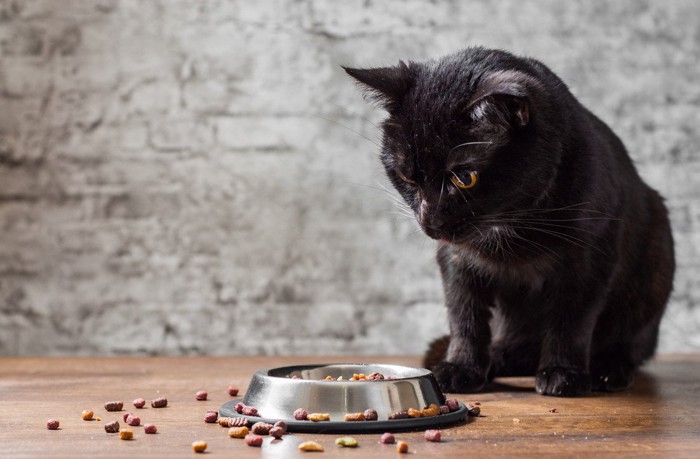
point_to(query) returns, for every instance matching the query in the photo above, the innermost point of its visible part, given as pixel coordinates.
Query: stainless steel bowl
(278, 392)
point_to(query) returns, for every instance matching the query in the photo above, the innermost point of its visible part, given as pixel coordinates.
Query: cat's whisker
(349, 129)
(350, 112)
(467, 144)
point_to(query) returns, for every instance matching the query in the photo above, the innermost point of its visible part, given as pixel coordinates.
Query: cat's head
(468, 141)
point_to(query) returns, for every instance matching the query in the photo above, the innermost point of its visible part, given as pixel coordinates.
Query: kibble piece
(112, 427)
(346, 442)
(473, 410)
(398, 415)
(375, 377)
(133, 420)
(253, 440)
(261, 428)
(311, 446)
(98, 419)
(432, 410)
(238, 432)
(126, 434)
(432, 435)
(371, 414)
(444, 409)
(402, 447)
(452, 404)
(211, 417)
(387, 438)
(114, 406)
(201, 395)
(413, 413)
(318, 417)
(199, 446)
(239, 407)
(139, 402)
(282, 425)
(125, 416)
(277, 432)
(351, 417)
(301, 414)
(52, 424)
(250, 411)
(87, 415)
(329, 378)
(232, 391)
(238, 422)
(160, 402)
(150, 428)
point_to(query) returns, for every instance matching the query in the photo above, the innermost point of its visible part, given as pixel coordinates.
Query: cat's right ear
(386, 85)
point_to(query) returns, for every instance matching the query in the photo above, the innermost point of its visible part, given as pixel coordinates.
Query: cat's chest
(530, 274)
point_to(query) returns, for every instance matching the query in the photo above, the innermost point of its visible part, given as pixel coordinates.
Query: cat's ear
(504, 97)
(386, 85)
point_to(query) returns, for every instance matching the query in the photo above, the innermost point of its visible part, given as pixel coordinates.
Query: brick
(273, 133)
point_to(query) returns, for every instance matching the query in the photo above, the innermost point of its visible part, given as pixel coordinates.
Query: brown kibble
(238, 432)
(387, 438)
(112, 427)
(398, 415)
(432, 410)
(87, 415)
(139, 403)
(98, 419)
(239, 407)
(232, 391)
(52, 424)
(160, 402)
(375, 377)
(133, 420)
(371, 414)
(318, 417)
(201, 395)
(432, 435)
(150, 428)
(444, 409)
(452, 404)
(552, 410)
(351, 417)
(126, 434)
(253, 440)
(277, 432)
(310, 447)
(211, 417)
(199, 446)
(114, 406)
(261, 428)
(413, 413)
(473, 410)
(125, 416)
(402, 447)
(282, 425)
(301, 414)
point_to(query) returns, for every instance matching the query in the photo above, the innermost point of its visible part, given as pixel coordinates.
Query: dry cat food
(253, 440)
(452, 404)
(351, 417)
(301, 414)
(444, 409)
(211, 417)
(87, 415)
(199, 446)
(261, 428)
(311, 447)
(244, 409)
(398, 415)
(233, 422)
(126, 434)
(114, 406)
(318, 417)
(150, 428)
(432, 410)
(201, 395)
(112, 427)
(277, 432)
(346, 442)
(282, 425)
(133, 420)
(387, 438)
(238, 432)
(52, 424)
(371, 414)
(160, 402)
(413, 413)
(402, 447)
(432, 435)
(232, 391)
(139, 402)
(473, 410)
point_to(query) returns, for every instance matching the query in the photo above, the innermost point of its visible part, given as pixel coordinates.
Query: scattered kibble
(351, 417)
(139, 402)
(98, 419)
(160, 402)
(261, 428)
(114, 406)
(126, 434)
(233, 422)
(238, 432)
(452, 404)
(277, 432)
(371, 414)
(232, 391)
(358, 377)
(112, 427)
(133, 420)
(413, 413)
(402, 447)
(253, 440)
(125, 416)
(199, 446)
(310, 447)
(432, 410)
(201, 395)
(301, 414)
(346, 442)
(516, 421)
(318, 417)
(552, 410)
(398, 415)
(52, 424)
(432, 435)
(150, 428)
(87, 415)
(473, 410)
(211, 417)
(244, 409)
(282, 425)
(387, 438)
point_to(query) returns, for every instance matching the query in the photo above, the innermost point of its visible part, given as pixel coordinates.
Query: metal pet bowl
(278, 392)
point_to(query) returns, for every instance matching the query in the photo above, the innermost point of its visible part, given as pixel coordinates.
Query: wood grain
(658, 417)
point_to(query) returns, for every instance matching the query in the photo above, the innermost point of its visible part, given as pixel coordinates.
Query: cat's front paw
(457, 378)
(562, 382)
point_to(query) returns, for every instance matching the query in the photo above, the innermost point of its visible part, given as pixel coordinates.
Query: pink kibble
(387, 438)
(253, 440)
(432, 435)
(139, 402)
(277, 432)
(301, 414)
(133, 420)
(150, 428)
(232, 391)
(201, 395)
(250, 411)
(125, 416)
(239, 407)
(52, 424)
(211, 417)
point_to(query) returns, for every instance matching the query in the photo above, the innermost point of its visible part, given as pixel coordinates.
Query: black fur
(559, 262)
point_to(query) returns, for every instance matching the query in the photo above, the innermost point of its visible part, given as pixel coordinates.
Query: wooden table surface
(659, 417)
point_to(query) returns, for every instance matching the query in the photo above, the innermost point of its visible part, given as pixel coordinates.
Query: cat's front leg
(467, 359)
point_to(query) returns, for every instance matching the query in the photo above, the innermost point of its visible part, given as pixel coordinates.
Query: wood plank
(658, 417)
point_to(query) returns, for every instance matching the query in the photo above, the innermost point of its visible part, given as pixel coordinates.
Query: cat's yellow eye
(466, 182)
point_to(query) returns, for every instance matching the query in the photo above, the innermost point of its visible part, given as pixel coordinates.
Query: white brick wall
(200, 176)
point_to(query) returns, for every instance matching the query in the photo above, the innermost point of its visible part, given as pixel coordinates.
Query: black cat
(556, 258)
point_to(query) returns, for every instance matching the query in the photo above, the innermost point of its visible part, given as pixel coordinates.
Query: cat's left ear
(504, 97)
(386, 85)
